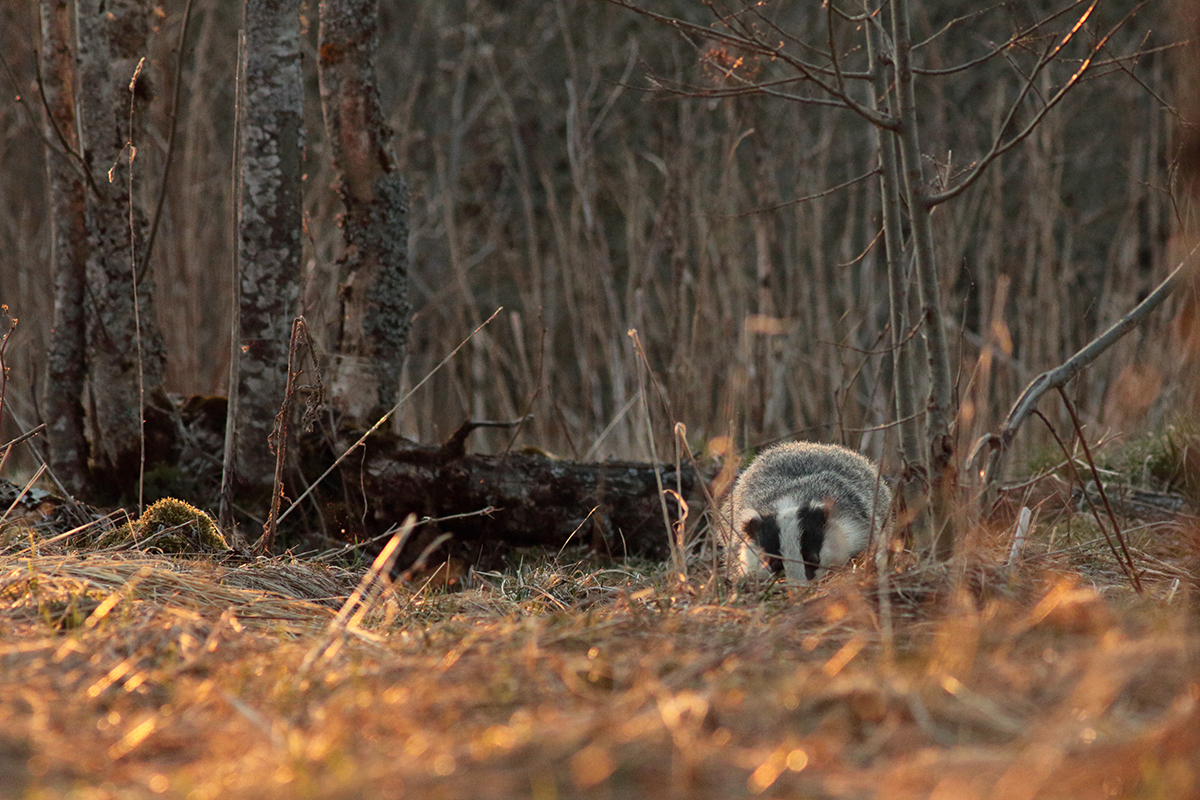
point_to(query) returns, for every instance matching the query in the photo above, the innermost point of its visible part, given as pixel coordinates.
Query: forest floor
(126, 673)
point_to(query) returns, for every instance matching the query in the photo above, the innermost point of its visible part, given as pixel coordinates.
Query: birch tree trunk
(124, 347)
(375, 313)
(67, 205)
(269, 216)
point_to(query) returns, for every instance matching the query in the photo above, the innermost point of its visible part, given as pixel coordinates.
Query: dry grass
(125, 674)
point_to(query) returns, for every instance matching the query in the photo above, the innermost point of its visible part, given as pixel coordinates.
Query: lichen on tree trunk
(269, 217)
(111, 39)
(373, 297)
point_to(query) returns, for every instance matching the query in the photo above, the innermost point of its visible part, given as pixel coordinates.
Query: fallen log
(492, 503)
(485, 505)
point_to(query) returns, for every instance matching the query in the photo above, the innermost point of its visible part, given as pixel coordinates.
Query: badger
(800, 509)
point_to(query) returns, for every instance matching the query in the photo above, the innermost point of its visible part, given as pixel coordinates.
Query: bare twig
(756, 45)
(999, 146)
(28, 485)
(166, 173)
(1027, 402)
(994, 51)
(805, 199)
(59, 145)
(278, 440)
(1127, 562)
(11, 443)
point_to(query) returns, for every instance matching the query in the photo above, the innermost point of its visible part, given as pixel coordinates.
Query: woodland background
(549, 178)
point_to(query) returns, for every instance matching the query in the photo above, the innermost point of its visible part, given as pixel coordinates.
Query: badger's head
(792, 536)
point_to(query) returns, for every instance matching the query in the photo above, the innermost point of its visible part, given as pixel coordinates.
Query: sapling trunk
(913, 479)
(938, 409)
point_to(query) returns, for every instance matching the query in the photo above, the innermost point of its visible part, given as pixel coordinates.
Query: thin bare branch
(1119, 63)
(997, 50)
(748, 88)
(805, 199)
(753, 35)
(755, 44)
(166, 172)
(945, 28)
(1000, 147)
(59, 145)
(1057, 377)
(1123, 557)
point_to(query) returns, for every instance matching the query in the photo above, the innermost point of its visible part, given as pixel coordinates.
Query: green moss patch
(170, 526)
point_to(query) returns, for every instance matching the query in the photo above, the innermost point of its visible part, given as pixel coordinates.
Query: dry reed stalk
(374, 582)
(28, 485)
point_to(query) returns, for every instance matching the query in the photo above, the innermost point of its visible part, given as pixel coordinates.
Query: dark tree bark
(111, 39)
(269, 216)
(67, 206)
(1187, 195)
(375, 310)
(529, 500)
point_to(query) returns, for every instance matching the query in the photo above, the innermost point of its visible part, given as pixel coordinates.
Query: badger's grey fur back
(800, 509)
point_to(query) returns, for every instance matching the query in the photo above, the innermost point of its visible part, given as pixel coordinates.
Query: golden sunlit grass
(130, 674)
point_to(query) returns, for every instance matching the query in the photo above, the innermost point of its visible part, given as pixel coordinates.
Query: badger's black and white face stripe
(800, 541)
(765, 532)
(811, 523)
